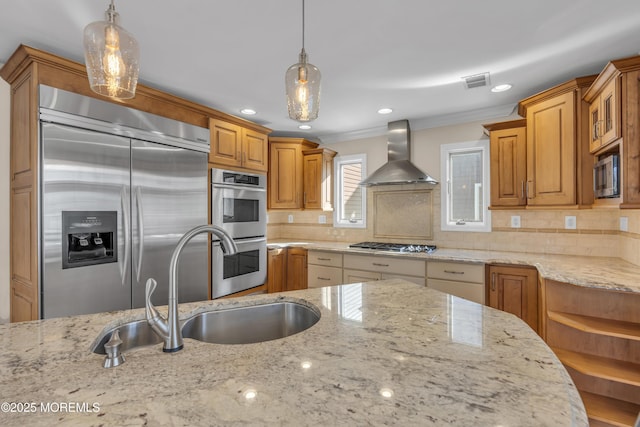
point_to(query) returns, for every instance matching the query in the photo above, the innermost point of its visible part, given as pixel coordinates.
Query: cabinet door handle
(380, 265)
(493, 282)
(454, 272)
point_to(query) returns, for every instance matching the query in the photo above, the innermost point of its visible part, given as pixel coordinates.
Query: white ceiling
(409, 55)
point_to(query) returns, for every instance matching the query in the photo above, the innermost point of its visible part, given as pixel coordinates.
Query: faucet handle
(157, 322)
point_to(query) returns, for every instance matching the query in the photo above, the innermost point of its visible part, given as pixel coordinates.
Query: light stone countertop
(595, 272)
(442, 361)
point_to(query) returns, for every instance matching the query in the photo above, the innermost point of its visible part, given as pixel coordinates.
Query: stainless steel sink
(252, 324)
(133, 334)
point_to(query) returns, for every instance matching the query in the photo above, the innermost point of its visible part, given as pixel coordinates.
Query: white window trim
(337, 161)
(445, 150)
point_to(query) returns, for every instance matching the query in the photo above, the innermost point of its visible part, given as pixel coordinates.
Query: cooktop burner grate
(395, 247)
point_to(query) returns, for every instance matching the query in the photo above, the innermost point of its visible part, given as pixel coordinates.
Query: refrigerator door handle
(127, 236)
(140, 232)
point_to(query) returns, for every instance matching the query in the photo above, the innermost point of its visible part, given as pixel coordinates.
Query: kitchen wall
(542, 231)
(4, 196)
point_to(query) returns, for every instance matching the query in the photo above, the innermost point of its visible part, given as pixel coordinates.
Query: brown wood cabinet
(238, 147)
(559, 165)
(596, 334)
(296, 269)
(619, 84)
(286, 269)
(514, 290)
(508, 153)
(25, 70)
(604, 115)
(276, 269)
(285, 177)
(318, 178)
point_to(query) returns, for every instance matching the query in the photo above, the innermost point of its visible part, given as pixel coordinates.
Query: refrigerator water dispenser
(89, 238)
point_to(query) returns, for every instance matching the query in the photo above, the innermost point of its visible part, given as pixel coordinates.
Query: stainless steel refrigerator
(118, 189)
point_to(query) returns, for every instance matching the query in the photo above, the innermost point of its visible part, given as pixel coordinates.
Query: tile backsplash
(597, 231)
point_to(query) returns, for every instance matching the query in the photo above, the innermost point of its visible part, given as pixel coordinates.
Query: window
(465, 192)
(351, 198)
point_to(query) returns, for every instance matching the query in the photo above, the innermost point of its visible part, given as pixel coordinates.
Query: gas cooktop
(395, 247)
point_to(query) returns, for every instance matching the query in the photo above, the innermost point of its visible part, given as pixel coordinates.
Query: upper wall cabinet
(508, 163)
(238, 147)
(615, 103)
(318, 178)
(604, 114)
(557, 146)
(286, 172)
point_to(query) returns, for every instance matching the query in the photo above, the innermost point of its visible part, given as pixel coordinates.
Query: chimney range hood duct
(398, 169)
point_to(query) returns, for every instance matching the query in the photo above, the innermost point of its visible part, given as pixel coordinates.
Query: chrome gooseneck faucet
(169, 329)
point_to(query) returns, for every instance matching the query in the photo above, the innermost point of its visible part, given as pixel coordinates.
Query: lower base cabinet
(596, 334)
(286, 269)
(514, 290)
(461, 279)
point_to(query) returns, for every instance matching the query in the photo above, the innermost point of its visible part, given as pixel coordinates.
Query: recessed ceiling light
(304, 127)
(385, 111)
(248, 111)
(501, 88)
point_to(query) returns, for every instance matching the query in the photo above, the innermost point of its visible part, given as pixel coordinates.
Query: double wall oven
(239, 206)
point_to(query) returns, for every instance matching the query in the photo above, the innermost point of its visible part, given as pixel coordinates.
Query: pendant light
(112, 57)
(302, 82)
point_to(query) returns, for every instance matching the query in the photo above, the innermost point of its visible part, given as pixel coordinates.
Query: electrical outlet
(290, 219)
(322, 219)
(570, 222)
(624, 223)
(515, 221)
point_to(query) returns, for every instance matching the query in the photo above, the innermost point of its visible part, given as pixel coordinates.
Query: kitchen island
(388, 352)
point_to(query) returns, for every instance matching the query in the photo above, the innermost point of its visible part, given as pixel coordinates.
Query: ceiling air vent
(477, 80)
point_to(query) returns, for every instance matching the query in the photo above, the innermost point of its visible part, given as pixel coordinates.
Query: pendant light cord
(302, 24)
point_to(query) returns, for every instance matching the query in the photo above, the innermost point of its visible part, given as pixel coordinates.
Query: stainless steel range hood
(398, 169)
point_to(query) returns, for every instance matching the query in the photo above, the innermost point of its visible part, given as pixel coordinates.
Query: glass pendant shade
(112, 57)
(302, 82)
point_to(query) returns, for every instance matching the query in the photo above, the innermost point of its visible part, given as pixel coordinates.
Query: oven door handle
(239, 187)
(243, 241)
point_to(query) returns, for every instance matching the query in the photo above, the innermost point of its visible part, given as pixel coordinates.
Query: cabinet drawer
(456, 271)
(331, 259)
(319, 276)
(357, 276)
(472, 291)
(407, 267)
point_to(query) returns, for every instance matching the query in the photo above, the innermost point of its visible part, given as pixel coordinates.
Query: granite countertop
(596, 272)
(382, 353)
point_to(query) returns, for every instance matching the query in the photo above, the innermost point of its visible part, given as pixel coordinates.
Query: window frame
(338, 161)
(461, 147)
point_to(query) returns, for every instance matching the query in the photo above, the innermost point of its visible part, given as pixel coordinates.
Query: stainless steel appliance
(239, 206)
(239, 203)
(606, 177)
(119, 187)
(394, 247)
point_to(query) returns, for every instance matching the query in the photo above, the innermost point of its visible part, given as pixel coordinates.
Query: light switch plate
(515, 221)
(322, 219)
(570, 222)
(290, 219)
(624, 223)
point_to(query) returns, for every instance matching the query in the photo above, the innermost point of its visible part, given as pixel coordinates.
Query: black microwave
(606, 177)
